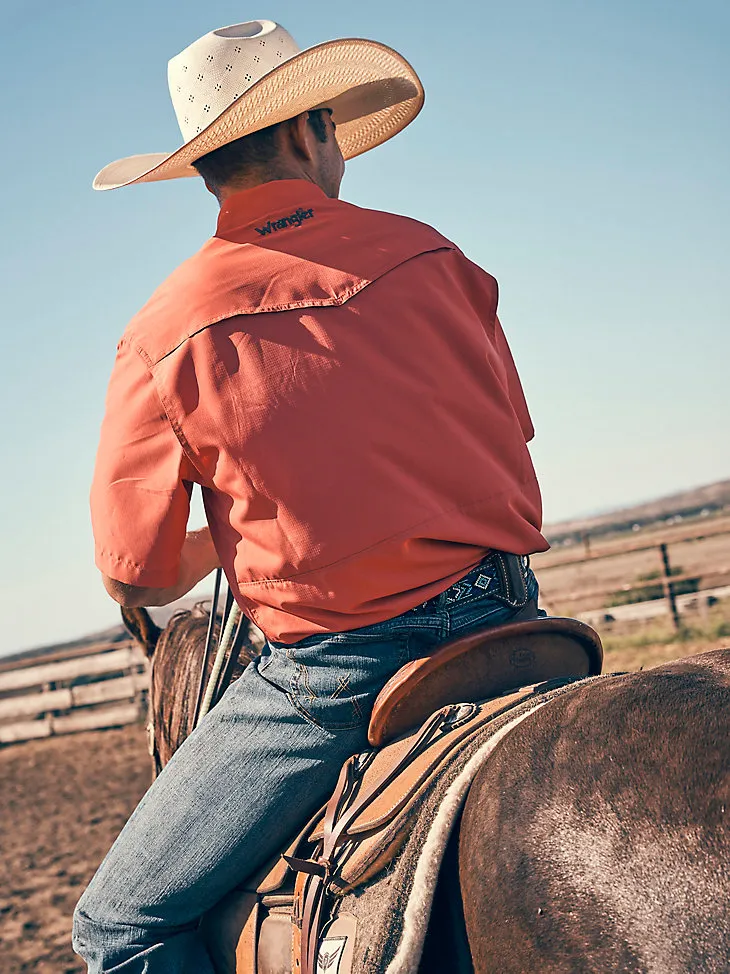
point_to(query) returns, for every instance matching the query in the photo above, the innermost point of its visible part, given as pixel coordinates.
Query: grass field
(641, 646)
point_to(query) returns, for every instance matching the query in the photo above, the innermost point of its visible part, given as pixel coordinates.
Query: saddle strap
(314, 874)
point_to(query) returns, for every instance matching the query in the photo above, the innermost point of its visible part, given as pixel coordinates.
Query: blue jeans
(244, 782)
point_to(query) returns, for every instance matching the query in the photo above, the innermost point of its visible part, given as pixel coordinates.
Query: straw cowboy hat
(239, 79)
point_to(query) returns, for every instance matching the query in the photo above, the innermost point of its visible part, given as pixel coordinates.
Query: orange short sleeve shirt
(337, 381)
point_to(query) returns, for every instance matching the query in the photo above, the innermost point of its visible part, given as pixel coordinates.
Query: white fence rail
(107, 688)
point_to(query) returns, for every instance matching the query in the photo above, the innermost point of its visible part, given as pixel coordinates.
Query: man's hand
(198, 559)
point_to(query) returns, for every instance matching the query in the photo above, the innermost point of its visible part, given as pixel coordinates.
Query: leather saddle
(429, 710)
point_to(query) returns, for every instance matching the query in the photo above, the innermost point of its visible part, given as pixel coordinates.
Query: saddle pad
(390, 913)
(378, 832)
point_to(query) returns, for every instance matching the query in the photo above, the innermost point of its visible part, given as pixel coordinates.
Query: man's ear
(300, 135)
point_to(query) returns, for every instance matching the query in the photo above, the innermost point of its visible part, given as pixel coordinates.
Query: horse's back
(596, 838)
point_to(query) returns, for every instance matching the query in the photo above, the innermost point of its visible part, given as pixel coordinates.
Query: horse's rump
(597, 837)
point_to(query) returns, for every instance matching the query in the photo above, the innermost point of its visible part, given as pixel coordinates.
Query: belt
(511, 571)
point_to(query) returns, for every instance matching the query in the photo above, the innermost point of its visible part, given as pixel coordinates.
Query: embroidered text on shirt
(295, 220)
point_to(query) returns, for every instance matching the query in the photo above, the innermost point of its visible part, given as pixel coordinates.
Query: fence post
(668, 587)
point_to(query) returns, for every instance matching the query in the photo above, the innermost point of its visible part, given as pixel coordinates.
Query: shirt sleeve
(140, 496)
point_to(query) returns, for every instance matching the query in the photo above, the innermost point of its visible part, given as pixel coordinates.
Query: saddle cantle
(482, 665)
(426, 715)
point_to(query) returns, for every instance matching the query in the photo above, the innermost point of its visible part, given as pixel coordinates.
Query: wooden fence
(666, 576)
(97, 687)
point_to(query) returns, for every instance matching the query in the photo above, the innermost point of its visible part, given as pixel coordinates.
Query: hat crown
(210, 74)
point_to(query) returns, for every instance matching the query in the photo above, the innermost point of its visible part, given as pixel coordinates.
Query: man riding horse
(338, 383)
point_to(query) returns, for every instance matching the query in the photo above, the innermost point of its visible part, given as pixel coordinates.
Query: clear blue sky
(578, 151)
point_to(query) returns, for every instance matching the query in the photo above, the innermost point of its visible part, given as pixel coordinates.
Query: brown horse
(596, 838)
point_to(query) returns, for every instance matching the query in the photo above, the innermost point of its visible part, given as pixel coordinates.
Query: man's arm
(197, 559)
(140, 497)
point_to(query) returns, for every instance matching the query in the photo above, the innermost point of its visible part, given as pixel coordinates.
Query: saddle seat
(429, 711)
(483, 665)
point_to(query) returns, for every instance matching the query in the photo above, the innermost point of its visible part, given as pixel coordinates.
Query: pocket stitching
(300, 681)
(329, 726)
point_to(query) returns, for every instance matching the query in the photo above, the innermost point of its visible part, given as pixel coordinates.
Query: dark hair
(250, 153)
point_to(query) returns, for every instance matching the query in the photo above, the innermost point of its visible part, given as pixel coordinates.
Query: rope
(208, 646)
(230, 627)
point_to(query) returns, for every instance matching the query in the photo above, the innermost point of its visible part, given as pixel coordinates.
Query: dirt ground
(62, 802)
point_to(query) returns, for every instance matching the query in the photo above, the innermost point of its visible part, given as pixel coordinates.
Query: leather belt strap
(513, 577)
(528, 611)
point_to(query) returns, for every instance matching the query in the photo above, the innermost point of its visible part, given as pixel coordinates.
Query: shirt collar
(260, 203)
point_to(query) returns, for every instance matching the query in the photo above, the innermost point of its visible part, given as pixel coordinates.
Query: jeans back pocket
(333, 681)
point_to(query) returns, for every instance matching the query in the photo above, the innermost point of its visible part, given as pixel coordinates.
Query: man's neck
(250, 182)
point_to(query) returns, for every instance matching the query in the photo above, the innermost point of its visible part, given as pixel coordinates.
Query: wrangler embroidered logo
(295, 220)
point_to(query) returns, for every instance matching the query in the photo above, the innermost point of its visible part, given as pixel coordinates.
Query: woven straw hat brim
(373, 91)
